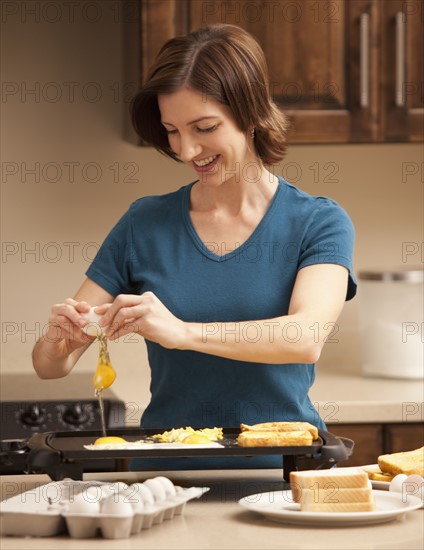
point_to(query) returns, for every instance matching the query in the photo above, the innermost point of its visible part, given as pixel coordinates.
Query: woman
(235, 280)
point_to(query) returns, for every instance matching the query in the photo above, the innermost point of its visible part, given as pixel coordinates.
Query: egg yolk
(196, 439)
(104, 376)
(114, 440)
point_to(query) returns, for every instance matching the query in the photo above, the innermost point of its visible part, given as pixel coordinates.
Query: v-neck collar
(201, 245)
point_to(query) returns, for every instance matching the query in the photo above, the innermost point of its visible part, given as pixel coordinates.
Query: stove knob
(75, 415)
(34, 416)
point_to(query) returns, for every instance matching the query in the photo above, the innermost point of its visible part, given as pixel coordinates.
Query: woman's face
(204, 134)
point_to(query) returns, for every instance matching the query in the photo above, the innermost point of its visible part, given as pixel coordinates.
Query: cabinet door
(160, 20)
(368, 440)
(404, 437)
(313, 53)
(402, 66)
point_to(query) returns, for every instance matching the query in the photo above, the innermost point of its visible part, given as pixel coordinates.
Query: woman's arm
(56, 353)
(317, 300)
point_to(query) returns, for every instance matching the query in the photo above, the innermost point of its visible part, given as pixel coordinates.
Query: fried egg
(109, 440)
(179, 435)
(196, 439)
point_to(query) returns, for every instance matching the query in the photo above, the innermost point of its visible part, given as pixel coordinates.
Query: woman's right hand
(64, 332)
(62, 344)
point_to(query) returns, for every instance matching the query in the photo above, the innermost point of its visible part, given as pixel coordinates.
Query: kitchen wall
(70, 169)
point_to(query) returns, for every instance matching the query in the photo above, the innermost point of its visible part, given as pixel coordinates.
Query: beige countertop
(217, 520)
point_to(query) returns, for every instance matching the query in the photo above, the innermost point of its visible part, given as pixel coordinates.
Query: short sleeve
(329, 239)
(111, 267)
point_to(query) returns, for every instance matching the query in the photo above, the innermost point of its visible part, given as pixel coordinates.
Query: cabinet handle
(400, 59)
(364, 60)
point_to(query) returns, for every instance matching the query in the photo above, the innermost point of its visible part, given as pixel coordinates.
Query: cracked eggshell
(93, 328)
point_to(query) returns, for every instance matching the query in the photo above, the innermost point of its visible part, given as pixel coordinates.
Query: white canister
(392, 323)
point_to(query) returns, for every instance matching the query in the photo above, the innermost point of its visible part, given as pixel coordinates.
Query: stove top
(30, 405)
(22, 419)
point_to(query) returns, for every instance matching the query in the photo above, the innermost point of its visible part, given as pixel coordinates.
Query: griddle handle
(43, 459)
(335, 449)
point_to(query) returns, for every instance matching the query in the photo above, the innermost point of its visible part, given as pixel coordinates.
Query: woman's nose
(189, 148)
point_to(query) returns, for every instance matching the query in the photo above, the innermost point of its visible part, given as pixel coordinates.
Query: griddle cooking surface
(71, 445)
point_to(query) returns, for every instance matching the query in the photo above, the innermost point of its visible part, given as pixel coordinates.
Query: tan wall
(58, 215)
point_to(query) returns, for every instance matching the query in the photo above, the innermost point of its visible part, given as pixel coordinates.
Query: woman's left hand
(142, 314)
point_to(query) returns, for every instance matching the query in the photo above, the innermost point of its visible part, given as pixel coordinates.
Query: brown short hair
(223, 62)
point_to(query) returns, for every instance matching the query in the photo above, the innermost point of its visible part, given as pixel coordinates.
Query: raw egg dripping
(105, 374)
(103, 377)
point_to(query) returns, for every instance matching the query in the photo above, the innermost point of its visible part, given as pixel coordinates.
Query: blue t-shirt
(154, 247)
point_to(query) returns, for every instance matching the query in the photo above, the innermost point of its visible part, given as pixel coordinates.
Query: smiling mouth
(205, 162)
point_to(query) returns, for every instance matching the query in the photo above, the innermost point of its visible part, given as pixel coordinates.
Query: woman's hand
(65, 324)
(142, 314)
(62, 344)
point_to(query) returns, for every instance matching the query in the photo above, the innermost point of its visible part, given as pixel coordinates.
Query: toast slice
(375, 474)
(340, 507)
(408, 462)
(333, 479)
(281, 427)
(333, 490)
(336, 496)
(274, 439)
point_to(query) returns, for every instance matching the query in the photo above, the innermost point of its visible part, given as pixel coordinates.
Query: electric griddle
(62, 454)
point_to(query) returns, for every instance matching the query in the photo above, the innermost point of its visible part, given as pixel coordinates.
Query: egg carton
(86, 509)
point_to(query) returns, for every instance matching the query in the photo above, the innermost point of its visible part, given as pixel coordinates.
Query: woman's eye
(201, 130)
(209, 129)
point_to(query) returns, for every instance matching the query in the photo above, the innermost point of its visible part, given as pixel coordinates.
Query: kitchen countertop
(217, 521)
(337, 395)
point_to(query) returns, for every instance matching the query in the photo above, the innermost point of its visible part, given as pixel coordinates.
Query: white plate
(279, 506)
(381, 485)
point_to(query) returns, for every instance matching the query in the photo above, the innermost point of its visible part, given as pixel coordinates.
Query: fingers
(66, 322)
(126, 313)
(142, 314)
(68, 312)
(81, 307)
(101, 310)
(127, 327)
(124, 308)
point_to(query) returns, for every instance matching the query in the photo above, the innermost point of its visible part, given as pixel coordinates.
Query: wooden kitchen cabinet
(368, 440)
(402, 70)
(343, 70)
(372, 440)
(401, 437)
